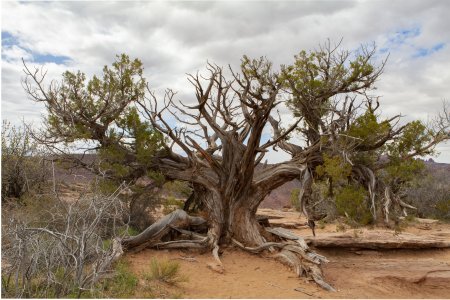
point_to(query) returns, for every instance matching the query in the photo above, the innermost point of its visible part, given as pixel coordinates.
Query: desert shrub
(124, 231)
(140, 206)
(335, 168)
(294, 199)
(140, 201)
(171, 204)
(443, 209)
(321, 224)
(122, 285)
(125, 284)
(319, 203)
(63, 255)
(24, 166)
(178, 188)
(128, 231)
(350, 201)
(431, 194)
(165, 271)
(172, 201)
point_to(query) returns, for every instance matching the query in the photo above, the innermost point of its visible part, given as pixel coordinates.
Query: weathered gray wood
(376, 241)
(178, 218)
(282, 232)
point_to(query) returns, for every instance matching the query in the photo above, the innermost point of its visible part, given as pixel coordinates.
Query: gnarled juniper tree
(218, 142)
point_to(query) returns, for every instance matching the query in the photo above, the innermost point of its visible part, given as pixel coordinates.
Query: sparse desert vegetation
(150, 183)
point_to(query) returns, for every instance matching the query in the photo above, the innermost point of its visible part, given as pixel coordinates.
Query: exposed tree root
(289, 249)
(300, 257)
(154, 233)
(261, 248)
(180, 244)
(218, 266)
(177, 221)
(295, 253)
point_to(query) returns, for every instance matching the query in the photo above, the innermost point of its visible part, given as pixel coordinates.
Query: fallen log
(378, 241)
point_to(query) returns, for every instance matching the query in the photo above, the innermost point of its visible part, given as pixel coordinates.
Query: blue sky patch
(423, 52)
(405, 38)
(384, 50)
(9, 40)
(438, 47)
(48, 58)
(401, 36)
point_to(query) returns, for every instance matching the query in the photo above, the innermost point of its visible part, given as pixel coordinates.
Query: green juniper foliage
(329, 91)
(103, 111)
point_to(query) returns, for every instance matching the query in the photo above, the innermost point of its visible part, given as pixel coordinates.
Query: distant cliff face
(280, 197)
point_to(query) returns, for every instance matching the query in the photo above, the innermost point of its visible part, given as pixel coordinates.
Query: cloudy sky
(175, 38)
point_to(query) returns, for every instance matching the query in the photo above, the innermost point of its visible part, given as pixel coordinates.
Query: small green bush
(123, 231)
(128, 231)
(321, 224)
(177, 187)
(172, 201)
(122, 285)
(165, 271)
(294, 199)
(350, 201)
(171, 204)
(443, 209)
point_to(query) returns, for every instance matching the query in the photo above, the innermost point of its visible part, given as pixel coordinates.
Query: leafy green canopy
(330, 91)
(393, 163)
(316, 77)
(102, 110)
(327, 88)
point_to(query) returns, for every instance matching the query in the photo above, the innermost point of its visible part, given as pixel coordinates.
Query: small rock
(216, 267)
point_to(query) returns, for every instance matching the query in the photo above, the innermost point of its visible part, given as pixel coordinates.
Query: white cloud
(15, 53)
(174, 38)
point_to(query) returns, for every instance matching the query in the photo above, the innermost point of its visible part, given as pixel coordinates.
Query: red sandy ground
(355, 274)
